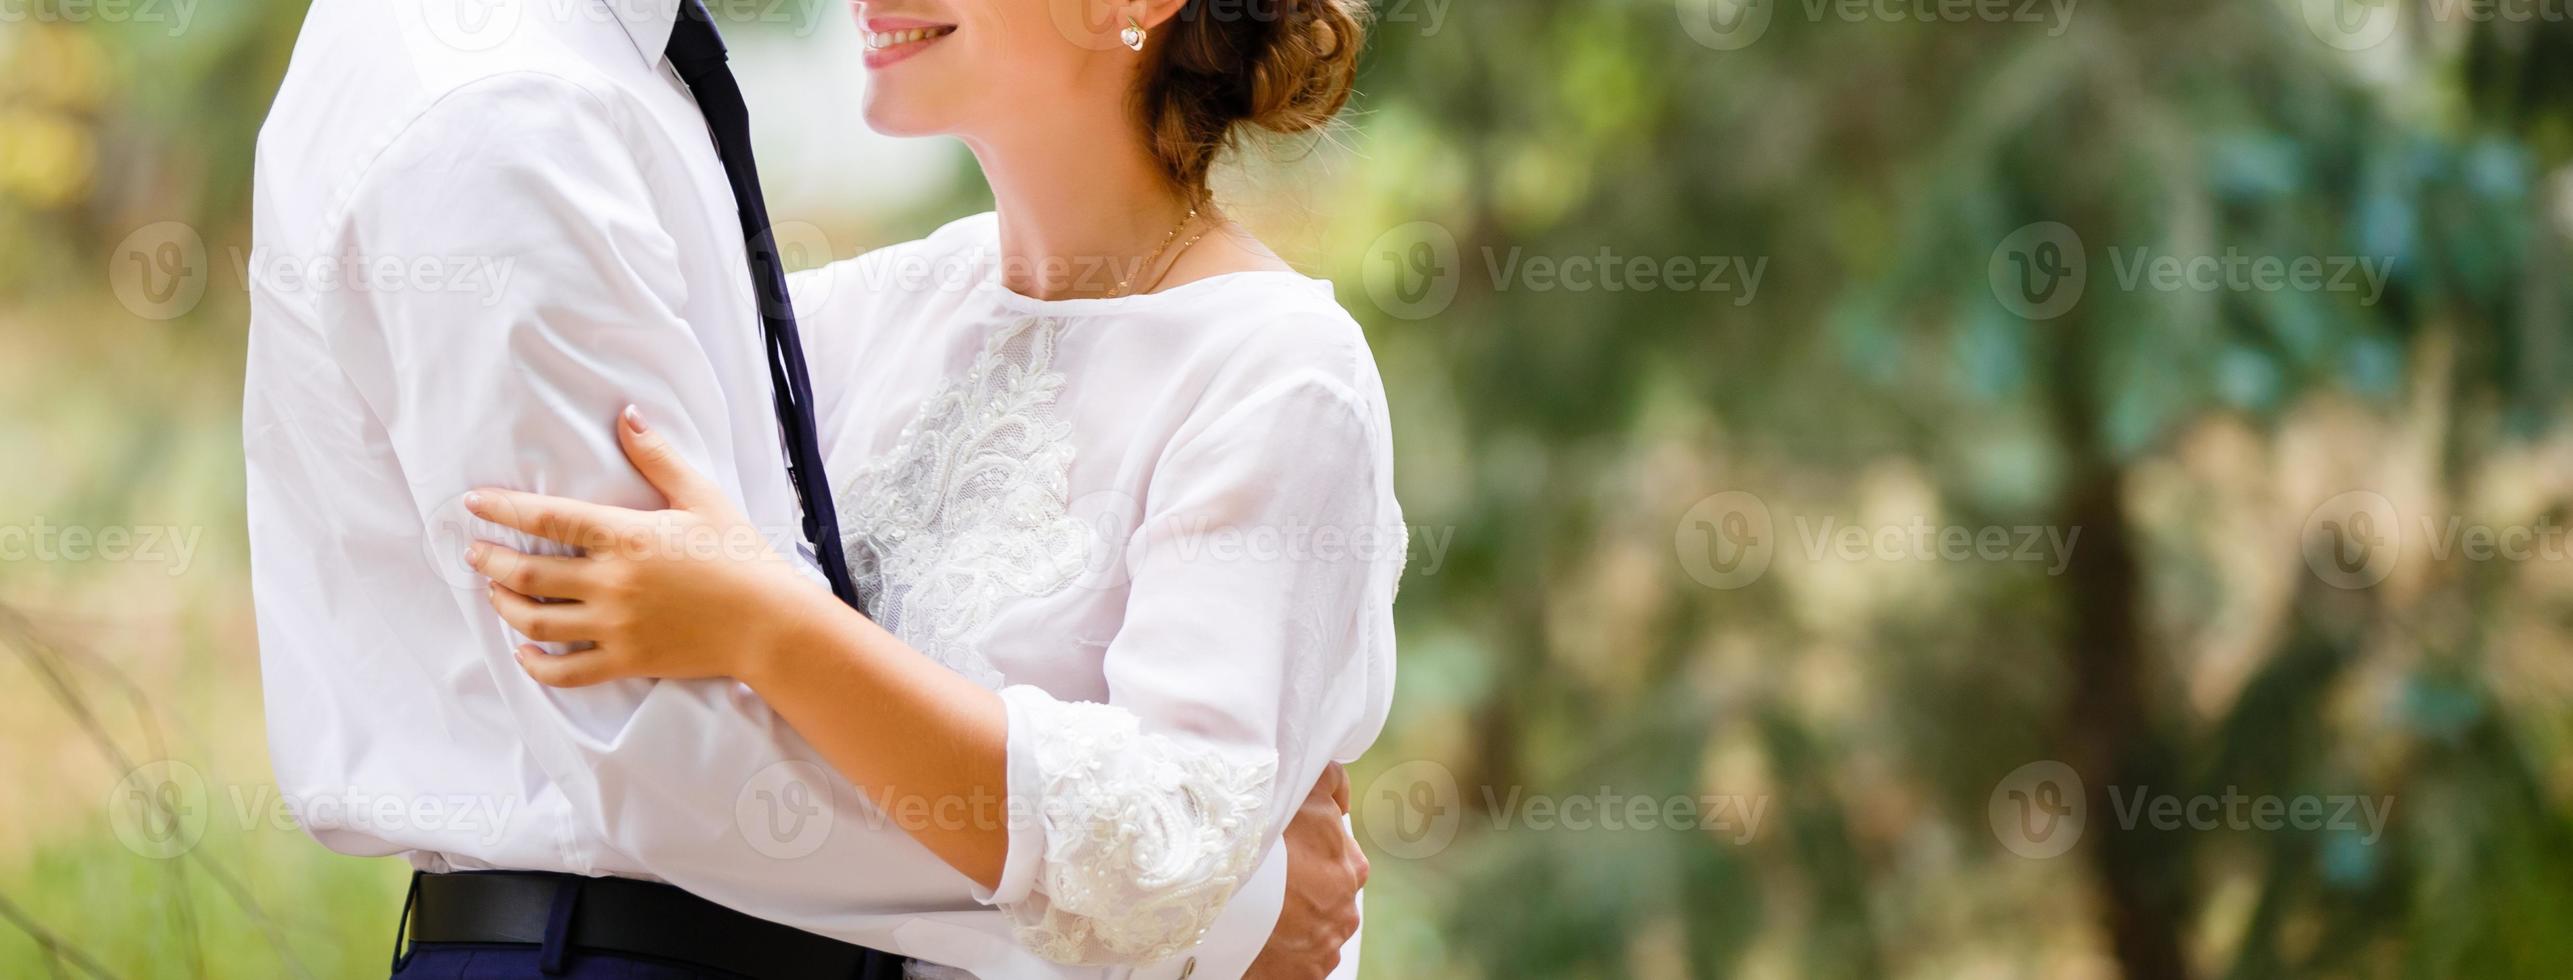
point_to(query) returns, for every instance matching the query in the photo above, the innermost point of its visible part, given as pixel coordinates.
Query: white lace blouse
(1163, 527)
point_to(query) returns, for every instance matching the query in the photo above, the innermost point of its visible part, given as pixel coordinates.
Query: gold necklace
(1148, 261)
(1174, 260)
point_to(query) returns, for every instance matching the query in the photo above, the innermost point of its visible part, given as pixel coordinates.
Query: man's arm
(518, 384)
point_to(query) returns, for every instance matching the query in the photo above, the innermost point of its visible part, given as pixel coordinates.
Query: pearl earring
(1133, 35)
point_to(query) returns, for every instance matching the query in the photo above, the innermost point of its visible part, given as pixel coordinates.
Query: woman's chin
(891, 115)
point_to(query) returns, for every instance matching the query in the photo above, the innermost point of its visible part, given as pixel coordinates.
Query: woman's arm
(1111, 833)
(696, 591)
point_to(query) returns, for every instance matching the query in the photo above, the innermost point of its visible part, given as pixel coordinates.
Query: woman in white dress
(1114, 481)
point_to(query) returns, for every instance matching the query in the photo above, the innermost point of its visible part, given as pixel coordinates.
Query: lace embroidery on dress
(1146, 838)
(970, 508)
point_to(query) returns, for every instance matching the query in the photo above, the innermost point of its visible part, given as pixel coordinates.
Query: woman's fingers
(533, 575)
(543, 622)
(580, 669)
(578, 523)
(660, 463)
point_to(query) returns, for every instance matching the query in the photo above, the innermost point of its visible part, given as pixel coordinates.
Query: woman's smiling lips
(891, 39)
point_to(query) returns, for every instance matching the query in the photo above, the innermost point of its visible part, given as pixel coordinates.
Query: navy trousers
(478, 961)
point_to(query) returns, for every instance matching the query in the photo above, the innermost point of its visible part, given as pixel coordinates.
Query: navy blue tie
(698, 53)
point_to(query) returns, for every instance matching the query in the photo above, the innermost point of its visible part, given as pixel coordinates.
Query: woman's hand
(697, 591)
(692, 591)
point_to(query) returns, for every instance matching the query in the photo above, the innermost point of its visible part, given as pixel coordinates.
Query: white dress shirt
(481, 228)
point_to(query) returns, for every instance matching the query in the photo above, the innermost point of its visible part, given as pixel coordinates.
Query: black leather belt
(627, 917)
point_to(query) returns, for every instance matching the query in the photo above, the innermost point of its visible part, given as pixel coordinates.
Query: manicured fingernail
(473, 555)
(473, 502)
(634, 419)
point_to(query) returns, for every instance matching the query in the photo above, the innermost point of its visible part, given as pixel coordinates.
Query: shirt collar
(648, 23)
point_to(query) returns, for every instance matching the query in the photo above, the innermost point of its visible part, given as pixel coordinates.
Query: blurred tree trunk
(2109, 738)
(2106, 733)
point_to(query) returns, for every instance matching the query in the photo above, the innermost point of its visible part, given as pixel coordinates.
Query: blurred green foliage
(1879, 168)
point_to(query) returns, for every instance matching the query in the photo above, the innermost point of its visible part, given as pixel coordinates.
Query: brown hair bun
(1284, 66)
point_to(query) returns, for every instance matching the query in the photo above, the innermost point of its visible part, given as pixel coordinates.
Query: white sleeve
(519, 387)
(1261, 582)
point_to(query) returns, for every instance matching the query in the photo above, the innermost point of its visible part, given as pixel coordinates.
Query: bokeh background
(2081, 493)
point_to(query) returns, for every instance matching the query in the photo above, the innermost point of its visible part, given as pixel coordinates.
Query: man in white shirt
(549, 145)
